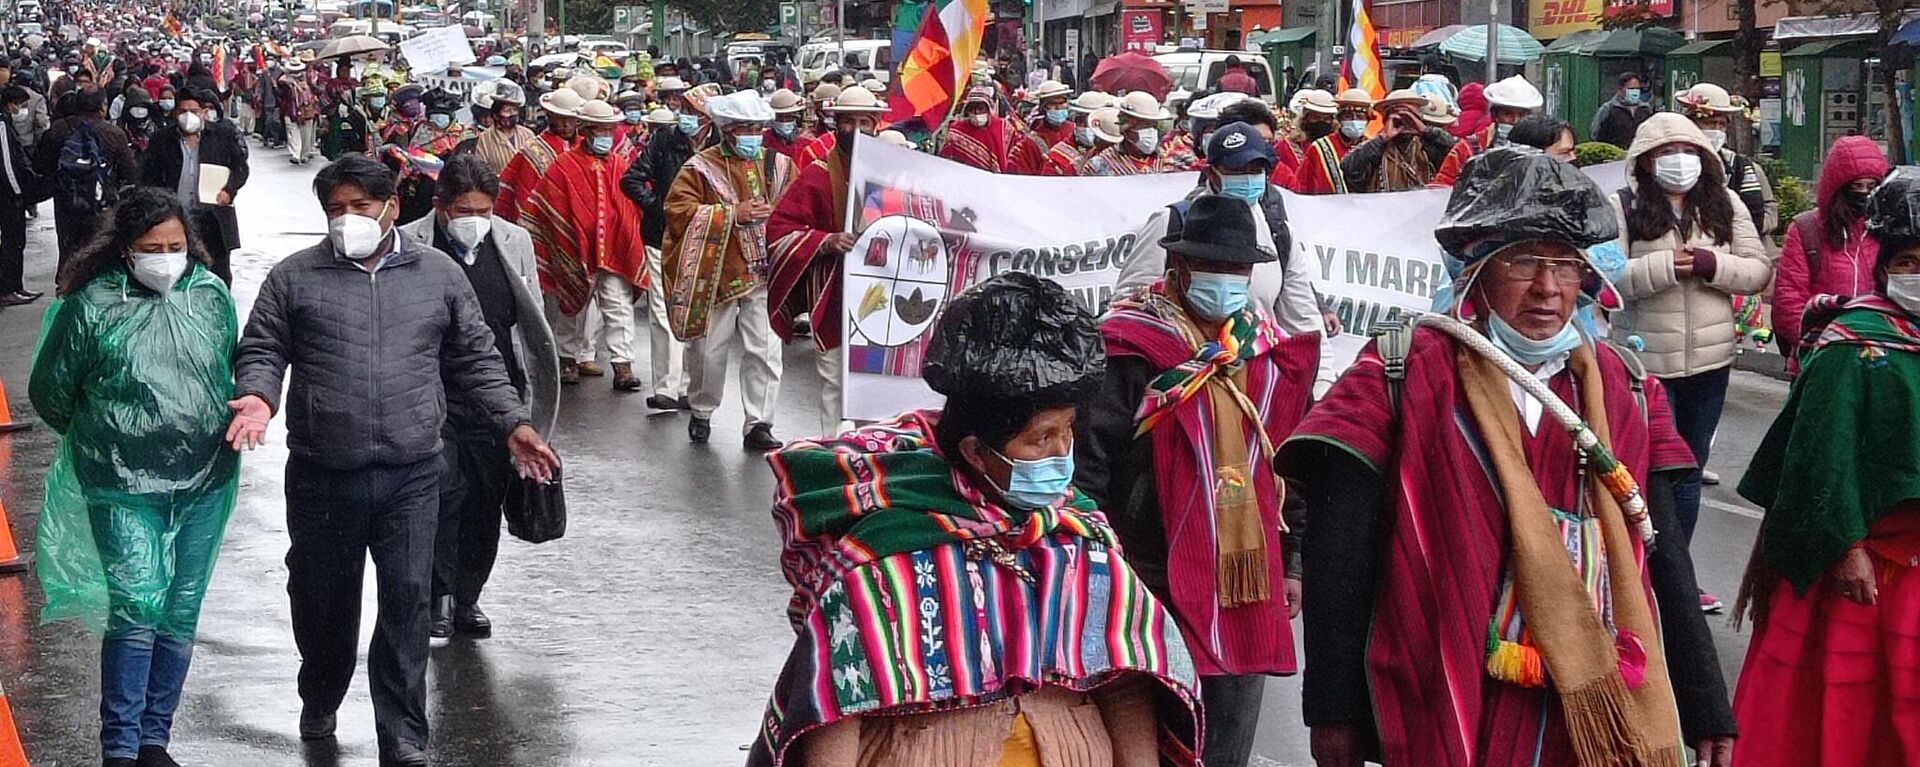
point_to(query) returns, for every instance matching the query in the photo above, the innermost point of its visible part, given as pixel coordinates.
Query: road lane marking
(1733, 508)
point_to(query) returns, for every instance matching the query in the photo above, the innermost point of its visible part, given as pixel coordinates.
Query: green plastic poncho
(136, 383)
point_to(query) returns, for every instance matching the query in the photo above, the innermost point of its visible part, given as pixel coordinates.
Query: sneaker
(16, 299)
(1710, 604)
(1709, 477)
(760, 438)
(699, 428)
(659, 404)
(591, 369)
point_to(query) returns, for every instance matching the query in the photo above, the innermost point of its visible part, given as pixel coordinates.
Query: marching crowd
(1103, 536)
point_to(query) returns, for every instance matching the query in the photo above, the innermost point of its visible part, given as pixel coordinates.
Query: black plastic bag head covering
(1015, 338)
(1893, 210)
(1511, 194)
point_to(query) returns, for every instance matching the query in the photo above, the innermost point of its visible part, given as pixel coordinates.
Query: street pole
(562, 5)
(1493, 41)
(536, 27)
(660, 26)
(1330, 35)
(840, 27)
(1040, 30)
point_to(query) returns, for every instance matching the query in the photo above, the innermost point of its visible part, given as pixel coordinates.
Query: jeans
(471, 495)
(1697, 401)
(1233, 716)
(336, 519)
(141, 673)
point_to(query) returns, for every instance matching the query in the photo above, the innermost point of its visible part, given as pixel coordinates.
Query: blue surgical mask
(440, 121)
(1526, 350)
(747, 146)
(633, 116)
(689, 124)
(377, 102)
(1058, 116)
(166, 105)
(1353, 129)
(786, 130)
(1083, 136)
(600, 144)
(1633, 95)
(1500, 131)
(1217, 296)
(1037, 484)
(1249, 187)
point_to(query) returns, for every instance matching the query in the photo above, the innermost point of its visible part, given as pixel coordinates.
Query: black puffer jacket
(651, 175)
(368, 351)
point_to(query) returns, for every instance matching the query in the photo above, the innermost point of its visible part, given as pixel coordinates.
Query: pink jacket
(1845, 270)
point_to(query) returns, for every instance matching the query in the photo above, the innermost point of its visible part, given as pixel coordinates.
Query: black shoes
(440, 622)
(659, 404)
(761, 438)
(317, 725)
(19, 297)
(118, 762)
(699, 428)
(404, 755)
(468, 620)
(155, 756)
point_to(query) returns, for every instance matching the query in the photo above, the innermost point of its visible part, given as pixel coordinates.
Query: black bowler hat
(1217, 228)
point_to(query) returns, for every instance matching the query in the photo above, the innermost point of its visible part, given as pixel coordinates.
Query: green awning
(1700, 48)
(1619, 43)
(1283, 35)
(1827, 48)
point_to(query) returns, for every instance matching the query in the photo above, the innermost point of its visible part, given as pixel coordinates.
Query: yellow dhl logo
(1555, 12)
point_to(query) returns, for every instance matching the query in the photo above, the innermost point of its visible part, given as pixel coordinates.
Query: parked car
(872, 58)
(1194, 70)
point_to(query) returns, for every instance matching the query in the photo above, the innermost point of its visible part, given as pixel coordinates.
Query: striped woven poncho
(898, 609)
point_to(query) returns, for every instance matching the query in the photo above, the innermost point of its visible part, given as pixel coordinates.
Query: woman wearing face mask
(1319, 171)
(138, 117)
(1691, 246)
(980, 137)
(1712, 110)
(1186, 479)
(134, 370)
(182, 151)
(1833, 586)
(977, 518)
(1827, 251)
(1054, 126)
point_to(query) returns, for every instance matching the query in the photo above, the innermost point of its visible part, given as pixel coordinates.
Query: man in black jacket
(374, 321)
(181, 152)
(79, 197)
(19, 192)
(1620, 117)
(646, 182)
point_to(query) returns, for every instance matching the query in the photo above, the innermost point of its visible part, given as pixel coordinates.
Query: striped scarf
(1900, 334)
(1242, 336)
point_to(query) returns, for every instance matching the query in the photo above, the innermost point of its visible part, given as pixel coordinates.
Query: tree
(731, 15)
(1746, 64)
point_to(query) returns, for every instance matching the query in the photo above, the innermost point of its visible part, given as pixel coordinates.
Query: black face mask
(1317, 129)
(1855, 200)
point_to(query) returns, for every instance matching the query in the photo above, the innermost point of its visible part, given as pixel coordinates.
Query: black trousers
(72, 227)
(335, 520)
(13, 250)
(471, 492)
(1233, 716)
(206, 224)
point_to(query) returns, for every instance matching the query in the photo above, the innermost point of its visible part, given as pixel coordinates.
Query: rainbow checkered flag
(1363, 62)
(934, 73)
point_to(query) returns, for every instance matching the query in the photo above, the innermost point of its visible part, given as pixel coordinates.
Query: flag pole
(1493, 41)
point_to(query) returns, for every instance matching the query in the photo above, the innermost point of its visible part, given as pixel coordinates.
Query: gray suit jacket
(533, 340)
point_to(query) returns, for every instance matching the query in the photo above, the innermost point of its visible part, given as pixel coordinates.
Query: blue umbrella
(1516, 46)
(1908, 34)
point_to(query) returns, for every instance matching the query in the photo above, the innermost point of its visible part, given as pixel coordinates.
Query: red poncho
(1029, 156)
(524, 171)
(984, 148)
(804, 280)
(582, 224)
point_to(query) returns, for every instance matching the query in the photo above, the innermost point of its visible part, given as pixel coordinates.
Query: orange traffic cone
(11, 560)
(12, 754)
(7, 424)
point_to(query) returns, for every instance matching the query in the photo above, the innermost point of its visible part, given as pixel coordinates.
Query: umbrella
(352, 45)
(1132, 71)
(311, 45)
(1436, 37)
(1470, 43)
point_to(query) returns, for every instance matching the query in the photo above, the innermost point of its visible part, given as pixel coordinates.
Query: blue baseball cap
(1237, 145)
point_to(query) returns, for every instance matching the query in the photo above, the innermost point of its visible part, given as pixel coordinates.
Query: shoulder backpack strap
(1636, 375)
(1394, 342)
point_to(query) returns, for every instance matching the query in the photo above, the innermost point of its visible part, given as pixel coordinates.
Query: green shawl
(1844, 450)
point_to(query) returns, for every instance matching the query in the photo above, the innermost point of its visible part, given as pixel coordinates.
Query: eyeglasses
(1525, 268)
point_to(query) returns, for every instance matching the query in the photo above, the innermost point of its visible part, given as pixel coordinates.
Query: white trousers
(300, 139)
(740, 324)
(832, 383)
(668, 354)
(614, 296)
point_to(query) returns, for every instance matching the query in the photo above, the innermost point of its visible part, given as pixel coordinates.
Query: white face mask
(469, 231)
(978, 121)
(1716, 137)
(1677, 173)
(1148, 140)
(159, 271)
(1904, 289)
(189, 123)
(356, 236)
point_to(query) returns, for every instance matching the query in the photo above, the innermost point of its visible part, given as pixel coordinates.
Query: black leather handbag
(537, 511)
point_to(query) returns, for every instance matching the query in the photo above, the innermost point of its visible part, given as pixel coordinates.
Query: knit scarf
(1217, 367)
(1619, 712)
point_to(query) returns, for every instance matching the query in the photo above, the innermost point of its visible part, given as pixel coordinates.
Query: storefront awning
(1283, 36)
(1826, 48)
(1810, 27)
(1102, 8)
(1701, 48)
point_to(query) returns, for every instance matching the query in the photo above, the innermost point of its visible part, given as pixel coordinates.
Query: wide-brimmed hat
(873, 85)
(1219, 229)
(1354, 97)
(669, 84)
(1516, 93)
(1316, 101)
(825, 92)
(661, 116)
(1405, 97)
(563, 102)
(698, 96)
(508, 92)
(895, 138)
(293, 65)
(856, 101)
(1438, 111)
(1142, 105)
(1088, 101)
(598, 112)
(785, 101)
(1208, 107)
(630, 97)
(589, 87)
(408, 92)
(1708, 98)
(739, 107)
(1049, 89)
(1105, 123)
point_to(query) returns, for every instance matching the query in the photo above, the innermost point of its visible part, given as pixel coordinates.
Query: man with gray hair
(715, 263)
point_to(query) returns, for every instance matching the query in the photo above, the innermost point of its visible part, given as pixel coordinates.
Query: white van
(873, 57)
(1194, 70)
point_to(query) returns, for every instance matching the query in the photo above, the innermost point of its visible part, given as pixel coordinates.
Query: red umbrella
(1132, 71)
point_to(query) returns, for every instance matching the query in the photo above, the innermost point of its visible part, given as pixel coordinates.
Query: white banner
(433, 50)
(931, 227)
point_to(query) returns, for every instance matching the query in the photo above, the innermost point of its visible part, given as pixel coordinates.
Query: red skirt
(1830, 682)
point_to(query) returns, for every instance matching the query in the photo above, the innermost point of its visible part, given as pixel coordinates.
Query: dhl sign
(1548, 19)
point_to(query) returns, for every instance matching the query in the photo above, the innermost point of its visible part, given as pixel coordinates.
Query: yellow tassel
(1517, 664)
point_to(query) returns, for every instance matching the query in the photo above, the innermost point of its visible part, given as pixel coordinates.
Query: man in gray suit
(497, 257)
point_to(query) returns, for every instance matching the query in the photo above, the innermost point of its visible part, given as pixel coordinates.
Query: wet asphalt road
(649, 635)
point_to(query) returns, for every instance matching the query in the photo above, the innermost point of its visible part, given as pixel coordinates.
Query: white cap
(1208, 108)
(1515, 93)
(1143, 105)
